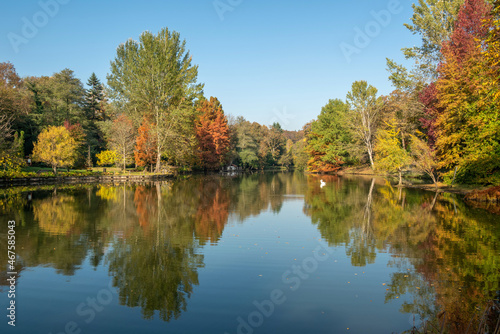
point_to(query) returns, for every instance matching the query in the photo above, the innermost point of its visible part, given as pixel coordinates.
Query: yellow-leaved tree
(108, 157)
(55, 147)
(390, 154)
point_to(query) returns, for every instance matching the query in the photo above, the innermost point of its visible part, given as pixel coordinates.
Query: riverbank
(98, 178)
(414, 180)
(411, 181)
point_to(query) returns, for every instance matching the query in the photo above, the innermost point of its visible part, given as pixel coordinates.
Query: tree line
(151, 114)
(442, 117)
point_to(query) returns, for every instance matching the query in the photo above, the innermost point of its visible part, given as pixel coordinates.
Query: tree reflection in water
(446, 254)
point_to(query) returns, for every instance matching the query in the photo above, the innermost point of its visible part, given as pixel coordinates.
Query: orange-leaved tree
(212, 133)
(145, 145)
(466, 129)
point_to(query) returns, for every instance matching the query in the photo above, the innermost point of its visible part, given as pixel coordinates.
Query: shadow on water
(152, 236)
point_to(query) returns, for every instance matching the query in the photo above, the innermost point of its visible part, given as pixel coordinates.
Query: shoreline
(119, 178)
(453, 189)
(36, 181)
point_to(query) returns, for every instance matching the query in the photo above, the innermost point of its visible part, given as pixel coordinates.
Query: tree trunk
(400, 178)
(54, 168)
(434, 201)
(371, 159)
(158, 162)
(158, 144)
(434, 180)
(454, 175)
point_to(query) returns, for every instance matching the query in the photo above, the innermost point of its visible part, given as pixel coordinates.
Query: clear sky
(265, 60)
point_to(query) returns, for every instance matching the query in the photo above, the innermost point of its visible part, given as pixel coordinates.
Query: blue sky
(265, 60)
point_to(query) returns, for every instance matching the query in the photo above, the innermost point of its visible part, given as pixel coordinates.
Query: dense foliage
(441, 120)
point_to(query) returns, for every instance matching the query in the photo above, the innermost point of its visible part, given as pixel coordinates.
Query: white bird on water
(322, 183)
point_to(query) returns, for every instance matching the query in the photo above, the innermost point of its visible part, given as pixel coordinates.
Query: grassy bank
(417, 180)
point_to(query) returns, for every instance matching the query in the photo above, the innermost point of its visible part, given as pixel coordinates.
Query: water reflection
(151, 236)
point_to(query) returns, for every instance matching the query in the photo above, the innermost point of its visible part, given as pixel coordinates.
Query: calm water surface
(263, 253)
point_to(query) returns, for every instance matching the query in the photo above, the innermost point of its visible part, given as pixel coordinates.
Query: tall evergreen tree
(94, 96)
(67, 95)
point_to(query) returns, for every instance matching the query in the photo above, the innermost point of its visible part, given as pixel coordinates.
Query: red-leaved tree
(459, 123)
(212, 133)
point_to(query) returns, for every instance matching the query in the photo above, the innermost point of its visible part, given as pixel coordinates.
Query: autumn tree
(431, 109)
(390, 153)
(466, 129)
(328, 138)
(122, 138)
(108, 157)
(145, 146)
(433, 21)
(424, 158)
(405, 108)
(273, 143)
(156, 76)
(14, 97)
(15, 104)
(286, 158)
(364, 114)
(56, 147)
(491, 56)
(212, 133)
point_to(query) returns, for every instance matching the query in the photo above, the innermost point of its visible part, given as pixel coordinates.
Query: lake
(260, 253)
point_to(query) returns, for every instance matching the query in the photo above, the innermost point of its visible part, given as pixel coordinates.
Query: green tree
(364, 114)
(55, 147)
(94, 98)
(273, 143)
(286, 158)
(156, 76)
(434, 21)
(248, 142)
(67, 95)
(329, 138)
(300, 155)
